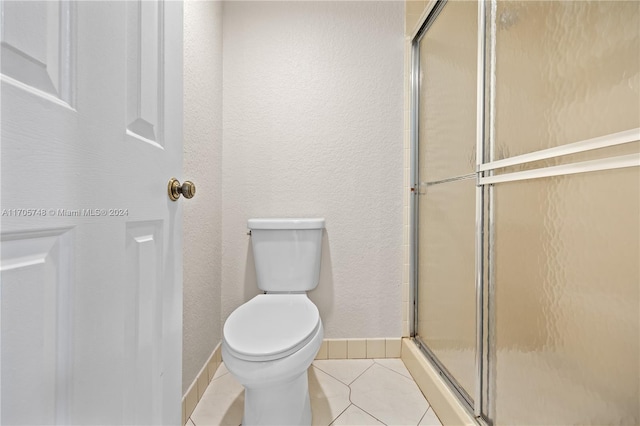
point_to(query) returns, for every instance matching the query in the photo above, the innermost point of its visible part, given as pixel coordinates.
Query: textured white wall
(313, 126)
(202, 164)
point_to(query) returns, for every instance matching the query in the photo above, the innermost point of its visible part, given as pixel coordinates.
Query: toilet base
(282, 404)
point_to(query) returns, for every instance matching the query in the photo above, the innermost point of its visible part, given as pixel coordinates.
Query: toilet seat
(271, 326)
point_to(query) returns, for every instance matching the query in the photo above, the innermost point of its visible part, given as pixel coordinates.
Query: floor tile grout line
(341, 382)
(216, 378)
(359, 375)
(434, 413)
(365, 411)
(342, 412)
(425, 413)
(414, 381)
(332, 376)
(328, 374)
(191, 422)
(390, 369)
(401, 375)
(223, 374)
(356, 405)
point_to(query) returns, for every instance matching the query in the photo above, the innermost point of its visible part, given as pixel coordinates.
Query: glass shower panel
(446, 207)
(446, 291)
(447, 103)
(565, 347)
(565, 71)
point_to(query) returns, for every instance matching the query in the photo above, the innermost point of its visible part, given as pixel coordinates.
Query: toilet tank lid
(281, 223)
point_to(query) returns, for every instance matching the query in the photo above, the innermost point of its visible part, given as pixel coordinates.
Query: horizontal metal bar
(451, 179)
(619, 138)
(631, 160)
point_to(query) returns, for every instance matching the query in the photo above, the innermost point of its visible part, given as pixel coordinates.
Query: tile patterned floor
(343, 392)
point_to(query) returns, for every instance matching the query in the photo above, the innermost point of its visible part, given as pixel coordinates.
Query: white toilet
(270, 341)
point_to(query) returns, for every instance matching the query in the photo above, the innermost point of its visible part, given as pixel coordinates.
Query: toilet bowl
(271, 359)
(270, 341)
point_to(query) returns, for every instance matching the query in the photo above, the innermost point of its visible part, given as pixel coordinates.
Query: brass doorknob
(188, 189)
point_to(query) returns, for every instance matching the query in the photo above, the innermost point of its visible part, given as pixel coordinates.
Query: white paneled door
(91, 269)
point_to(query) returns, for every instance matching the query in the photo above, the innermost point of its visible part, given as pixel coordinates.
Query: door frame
(432, 10)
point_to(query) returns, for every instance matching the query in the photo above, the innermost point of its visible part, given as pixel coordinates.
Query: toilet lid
(271, 326)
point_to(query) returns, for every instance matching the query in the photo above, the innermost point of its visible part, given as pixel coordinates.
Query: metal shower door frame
(476, 404)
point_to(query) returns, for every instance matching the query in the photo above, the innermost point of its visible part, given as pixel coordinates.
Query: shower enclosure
(526, 207)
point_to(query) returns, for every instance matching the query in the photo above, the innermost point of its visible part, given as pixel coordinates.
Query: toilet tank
(286, 253)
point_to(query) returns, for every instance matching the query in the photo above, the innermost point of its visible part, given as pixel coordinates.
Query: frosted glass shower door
(557, 260)
(445, 323)
(564, 342)
(566, 345)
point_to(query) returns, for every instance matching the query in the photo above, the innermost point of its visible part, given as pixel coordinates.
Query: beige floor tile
(394, 364)
(430, 419)
(388, 396)
(381, 391)
(329, 397)
(353, 416)
(221, 371)
(221, 404)
(344, 370)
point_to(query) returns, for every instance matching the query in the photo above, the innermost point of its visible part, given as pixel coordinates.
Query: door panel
(36, 278)
(143, 322)
(92, 162)
(144, 36)
(37, 45)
